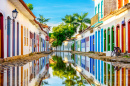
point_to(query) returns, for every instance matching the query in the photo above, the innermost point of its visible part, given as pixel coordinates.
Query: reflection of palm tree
(62, 71)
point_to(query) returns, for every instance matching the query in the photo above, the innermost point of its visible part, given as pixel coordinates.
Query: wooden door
(101, 40)
(112, 39)
(13, 41)
(1, 36)
(17, 38)
(108, 39)
(117, 36)
(21, 40)
(98, 41)
(104, 40)
(123, 39)
(129, 37)
(8, 36)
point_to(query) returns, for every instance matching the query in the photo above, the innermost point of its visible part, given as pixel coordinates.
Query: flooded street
(65, 70)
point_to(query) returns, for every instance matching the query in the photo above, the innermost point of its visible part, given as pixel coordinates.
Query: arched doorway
(123, 38)
(117, 36)
(1, 36)
(129, 36)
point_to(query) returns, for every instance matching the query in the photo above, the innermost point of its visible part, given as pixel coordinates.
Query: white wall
(6, 8)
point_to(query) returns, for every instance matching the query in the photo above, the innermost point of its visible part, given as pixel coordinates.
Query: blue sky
(57, 9)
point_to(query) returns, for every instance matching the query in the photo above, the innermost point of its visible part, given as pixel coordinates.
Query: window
(24, 36)
(27, 36)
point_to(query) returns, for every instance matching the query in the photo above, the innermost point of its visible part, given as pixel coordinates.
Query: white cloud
(53, 25)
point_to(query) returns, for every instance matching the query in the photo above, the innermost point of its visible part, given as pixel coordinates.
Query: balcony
(95, 20)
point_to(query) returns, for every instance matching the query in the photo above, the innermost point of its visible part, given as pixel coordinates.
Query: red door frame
(129, 36)
(2, 34)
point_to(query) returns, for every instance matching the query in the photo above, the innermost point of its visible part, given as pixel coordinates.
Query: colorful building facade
(22, 35)
(110, 27)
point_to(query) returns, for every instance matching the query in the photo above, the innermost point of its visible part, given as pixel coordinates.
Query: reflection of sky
(53, 80)
(56, 81)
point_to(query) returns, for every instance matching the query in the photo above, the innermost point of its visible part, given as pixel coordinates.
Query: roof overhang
(22, 7)
(97, 24)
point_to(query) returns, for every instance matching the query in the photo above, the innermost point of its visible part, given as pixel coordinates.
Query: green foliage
(82, 20)
(30, 6)
(67, 29)
(42, 20)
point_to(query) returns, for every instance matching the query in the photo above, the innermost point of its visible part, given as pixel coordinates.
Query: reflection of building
(22, 35)
(25, 75)
(103, 72)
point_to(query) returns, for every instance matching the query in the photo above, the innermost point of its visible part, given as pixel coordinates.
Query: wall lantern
(14, 14)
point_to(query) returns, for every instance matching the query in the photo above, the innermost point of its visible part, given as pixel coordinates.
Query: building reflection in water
(102, 72)
(25, 75)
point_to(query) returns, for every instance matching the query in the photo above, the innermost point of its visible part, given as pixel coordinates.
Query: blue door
(8, 36)
(98, 41)
(101, 40)
(13, 37)
(93, 42)
(90, 43)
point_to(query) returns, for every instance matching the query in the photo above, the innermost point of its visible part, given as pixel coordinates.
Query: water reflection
(103, 73)
(63, 74)
(25, 75)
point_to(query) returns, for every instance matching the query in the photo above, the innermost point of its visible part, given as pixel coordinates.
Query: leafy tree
(42, 20)
(82, 20)
(30, 6)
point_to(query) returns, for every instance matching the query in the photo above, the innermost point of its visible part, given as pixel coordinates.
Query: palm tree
(42, 20)
(82, 20)
(69, 19)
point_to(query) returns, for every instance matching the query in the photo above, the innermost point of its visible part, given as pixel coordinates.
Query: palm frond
(84, 15)
(87, 20)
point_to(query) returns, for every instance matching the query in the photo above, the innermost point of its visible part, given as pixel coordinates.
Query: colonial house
(20, 33)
